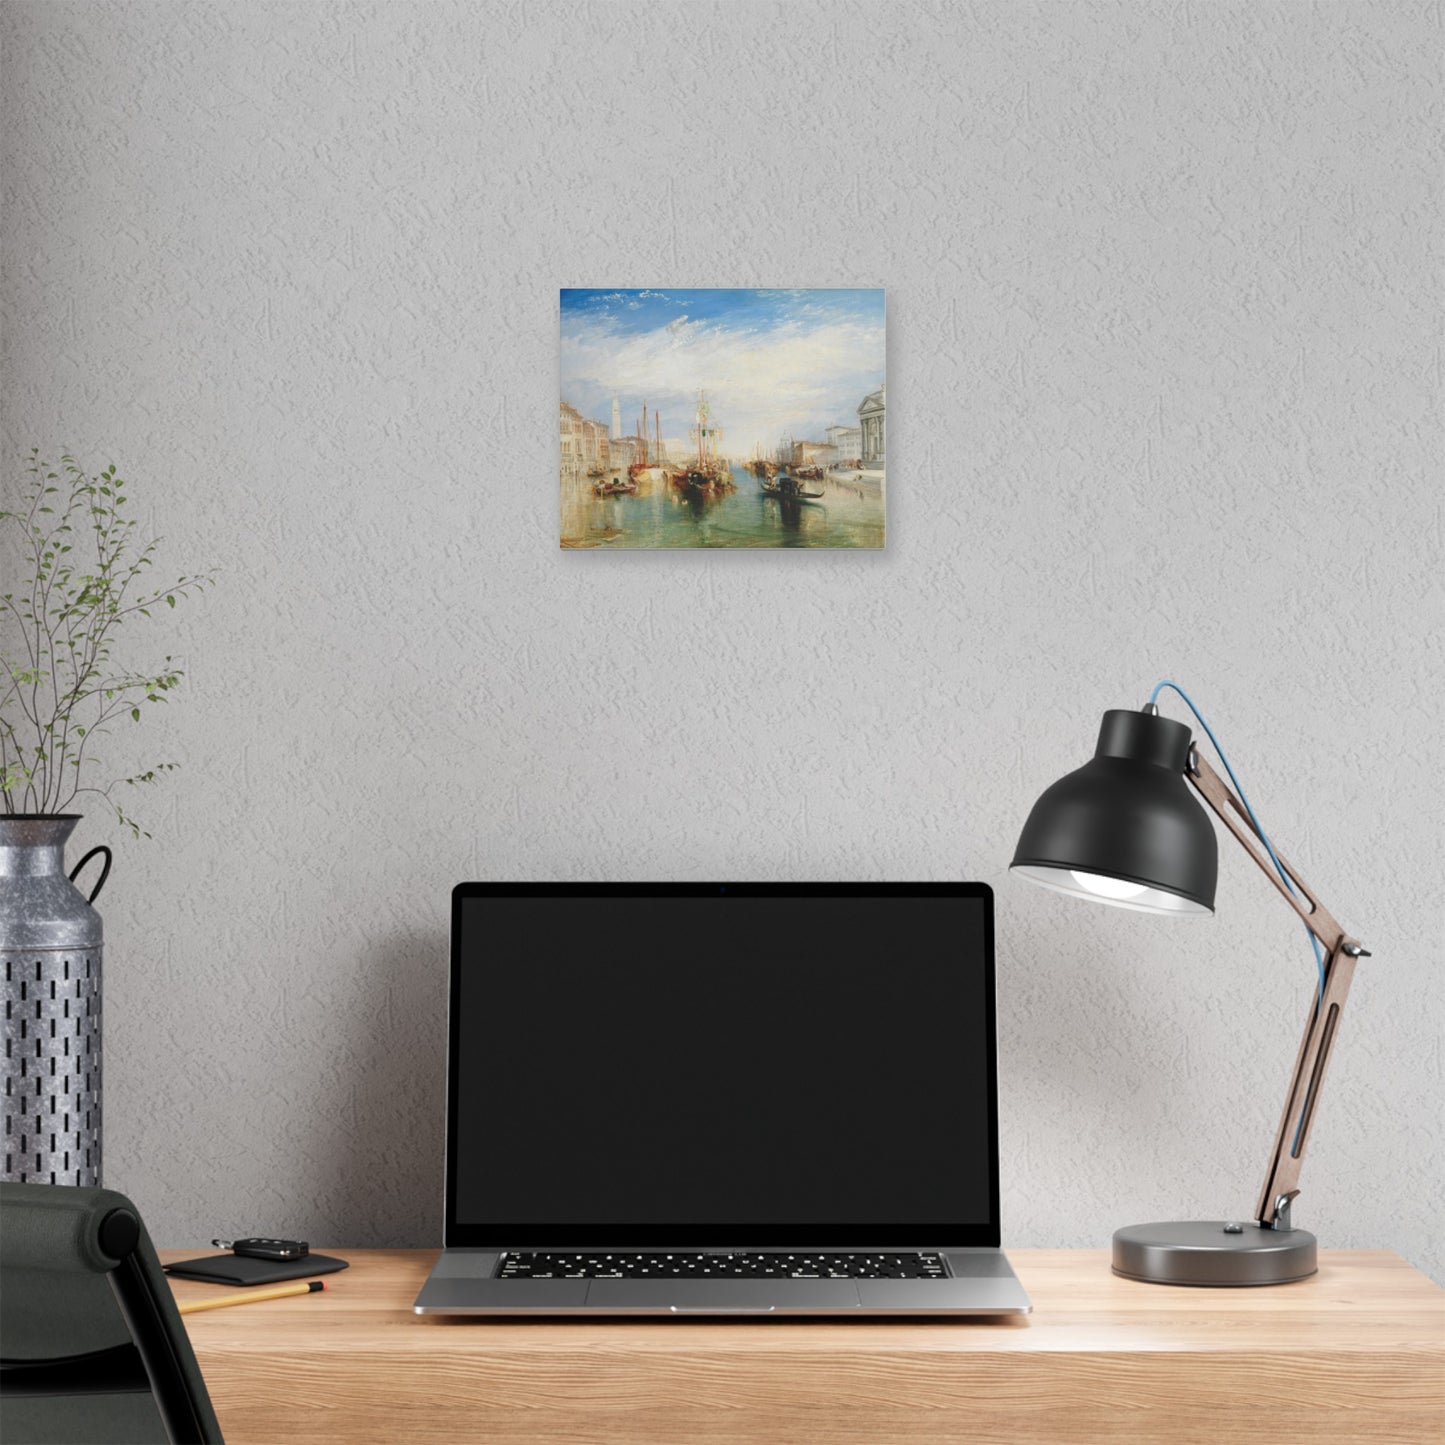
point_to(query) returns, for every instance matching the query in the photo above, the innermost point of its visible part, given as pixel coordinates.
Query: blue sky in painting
(773, 362)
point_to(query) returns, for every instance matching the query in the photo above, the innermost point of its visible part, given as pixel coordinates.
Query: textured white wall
(1165, 374)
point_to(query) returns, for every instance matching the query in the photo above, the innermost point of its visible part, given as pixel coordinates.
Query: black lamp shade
(1125, 828)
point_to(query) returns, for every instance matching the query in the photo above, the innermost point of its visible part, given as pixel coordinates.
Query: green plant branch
(50, 574)
(64, 691)
(36, 552)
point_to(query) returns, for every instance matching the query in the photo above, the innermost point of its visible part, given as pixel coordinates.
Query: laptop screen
(722, 1065)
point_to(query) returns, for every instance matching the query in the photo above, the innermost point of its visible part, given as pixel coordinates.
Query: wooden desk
(1355, 1355)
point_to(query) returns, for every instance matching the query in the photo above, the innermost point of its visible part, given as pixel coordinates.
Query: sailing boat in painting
(647, 468)
(797, 379)
(708, 471)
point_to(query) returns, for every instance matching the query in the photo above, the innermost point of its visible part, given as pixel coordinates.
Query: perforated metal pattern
(52, 1073)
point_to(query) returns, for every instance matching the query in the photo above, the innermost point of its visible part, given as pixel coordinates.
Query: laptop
(732, 1100)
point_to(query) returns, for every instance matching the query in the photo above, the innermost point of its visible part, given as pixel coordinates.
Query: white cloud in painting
(796, 376)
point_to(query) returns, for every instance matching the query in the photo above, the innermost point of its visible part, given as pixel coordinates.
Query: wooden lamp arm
(1281, 1182)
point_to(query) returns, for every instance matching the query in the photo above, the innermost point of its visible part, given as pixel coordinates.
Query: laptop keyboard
(700, 1265)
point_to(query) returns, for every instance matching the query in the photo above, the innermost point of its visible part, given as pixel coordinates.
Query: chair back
(92, 1348)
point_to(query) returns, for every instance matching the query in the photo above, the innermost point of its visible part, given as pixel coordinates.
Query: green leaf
(135, 714)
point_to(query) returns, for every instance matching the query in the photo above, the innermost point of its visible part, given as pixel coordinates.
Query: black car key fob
(265, 1248)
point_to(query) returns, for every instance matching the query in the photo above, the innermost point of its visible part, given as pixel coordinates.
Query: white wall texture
(1164, 298)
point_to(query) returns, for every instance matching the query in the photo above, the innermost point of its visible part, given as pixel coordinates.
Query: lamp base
(1221, 1253)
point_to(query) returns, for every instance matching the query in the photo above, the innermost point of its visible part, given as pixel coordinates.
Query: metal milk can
(50, 951)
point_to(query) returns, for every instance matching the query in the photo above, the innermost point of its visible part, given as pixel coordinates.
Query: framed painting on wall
(722, 418)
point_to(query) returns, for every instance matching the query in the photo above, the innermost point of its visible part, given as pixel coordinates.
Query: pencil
(220, 1301)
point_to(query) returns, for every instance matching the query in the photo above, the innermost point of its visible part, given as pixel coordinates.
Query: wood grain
(1355, 1355)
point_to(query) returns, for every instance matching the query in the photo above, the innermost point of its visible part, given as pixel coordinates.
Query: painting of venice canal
(722, 418)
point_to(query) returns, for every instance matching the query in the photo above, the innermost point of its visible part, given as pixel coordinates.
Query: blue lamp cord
(1269, 848)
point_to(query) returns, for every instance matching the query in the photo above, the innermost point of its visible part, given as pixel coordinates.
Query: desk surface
(1356, 1354)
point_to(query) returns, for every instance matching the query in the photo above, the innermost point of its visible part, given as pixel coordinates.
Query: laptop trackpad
(740, 1296)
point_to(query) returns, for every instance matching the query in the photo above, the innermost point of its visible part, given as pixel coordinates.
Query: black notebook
(245, 1269)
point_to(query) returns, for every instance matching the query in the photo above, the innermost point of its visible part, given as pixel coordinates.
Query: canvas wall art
(722, 418)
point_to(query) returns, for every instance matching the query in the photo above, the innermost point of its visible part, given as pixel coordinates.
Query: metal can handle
(104, 872)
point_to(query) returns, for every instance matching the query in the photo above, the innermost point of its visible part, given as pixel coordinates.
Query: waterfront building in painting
(596, 446)
(585, 444)
(870, 423)
(624, 452)
(571, 428)
(811, 454)
(846, 444)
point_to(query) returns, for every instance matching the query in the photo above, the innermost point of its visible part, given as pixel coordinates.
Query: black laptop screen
(723, 1066)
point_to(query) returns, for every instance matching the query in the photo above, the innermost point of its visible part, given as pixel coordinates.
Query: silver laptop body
(740, 1100)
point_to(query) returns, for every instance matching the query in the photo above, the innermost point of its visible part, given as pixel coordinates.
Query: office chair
(92, 1348)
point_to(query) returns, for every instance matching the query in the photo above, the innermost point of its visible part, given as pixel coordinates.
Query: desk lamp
(1124, 829)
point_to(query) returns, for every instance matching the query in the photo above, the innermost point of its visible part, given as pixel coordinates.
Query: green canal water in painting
(849, 513)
